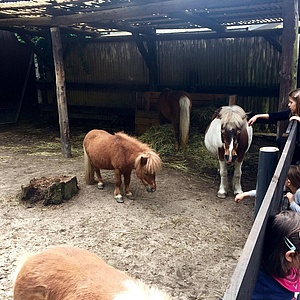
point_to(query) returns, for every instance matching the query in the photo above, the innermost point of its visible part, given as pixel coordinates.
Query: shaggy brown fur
(121, 153)
(70, 273)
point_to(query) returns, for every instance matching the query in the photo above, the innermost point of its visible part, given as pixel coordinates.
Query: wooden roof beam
(121, 13)
(274, 42)
(200, 19)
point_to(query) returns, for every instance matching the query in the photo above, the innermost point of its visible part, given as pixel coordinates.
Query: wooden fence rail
(245, 274)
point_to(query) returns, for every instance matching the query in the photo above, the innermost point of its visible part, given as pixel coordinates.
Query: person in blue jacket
(278, 278)
(293, 113)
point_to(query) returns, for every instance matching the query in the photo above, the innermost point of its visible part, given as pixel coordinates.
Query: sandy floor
(182, 238)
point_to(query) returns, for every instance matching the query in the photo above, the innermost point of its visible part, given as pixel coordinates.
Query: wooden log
(54, 190)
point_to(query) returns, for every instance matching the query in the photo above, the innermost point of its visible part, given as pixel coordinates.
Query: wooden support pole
(232, 100)
(290, 53)
(150, 57)
(61, 92)
(152, 51)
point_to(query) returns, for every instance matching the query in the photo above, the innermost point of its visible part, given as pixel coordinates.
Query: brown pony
(121, 153)
(70, 273)
(175, 107)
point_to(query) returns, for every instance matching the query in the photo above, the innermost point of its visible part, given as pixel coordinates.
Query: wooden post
(150, 57)
(290, 53)
(232, 100)
(61, 92)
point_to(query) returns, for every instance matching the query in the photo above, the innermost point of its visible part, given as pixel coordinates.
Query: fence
(244, 277)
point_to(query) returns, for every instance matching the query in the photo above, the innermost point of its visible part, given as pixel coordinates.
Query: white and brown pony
(121, 153)
(175, 107)
(228, 137)
(71, 273)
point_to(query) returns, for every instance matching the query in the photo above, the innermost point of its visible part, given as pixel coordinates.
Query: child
(292, 183)
(293, 113)
(278, 277)
(241, 196)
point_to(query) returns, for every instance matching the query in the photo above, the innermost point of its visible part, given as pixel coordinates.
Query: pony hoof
(130, 196)
(221, 195)
(100, 185)
(119, 199)
(237, 192)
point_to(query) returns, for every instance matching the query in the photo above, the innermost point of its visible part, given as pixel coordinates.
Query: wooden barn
(109, 60)
(210, 50)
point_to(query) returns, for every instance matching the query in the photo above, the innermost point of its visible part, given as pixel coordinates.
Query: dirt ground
(181, 239)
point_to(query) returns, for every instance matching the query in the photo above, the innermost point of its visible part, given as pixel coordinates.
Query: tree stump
(54, 190)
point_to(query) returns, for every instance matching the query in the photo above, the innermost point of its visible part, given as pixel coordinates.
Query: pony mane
(232, 115)
(154, 162)
(144, 147)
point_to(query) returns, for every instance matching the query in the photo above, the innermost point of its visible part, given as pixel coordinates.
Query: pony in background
(71, 273)
(175, 107)
(228, 137)
(121, 153)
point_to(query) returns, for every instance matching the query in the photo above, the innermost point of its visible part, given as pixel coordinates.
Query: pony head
(146, 166)
(230, 138)
(233, 120)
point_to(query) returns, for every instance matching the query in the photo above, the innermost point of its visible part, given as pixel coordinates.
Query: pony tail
(184, 123)
(88, 169)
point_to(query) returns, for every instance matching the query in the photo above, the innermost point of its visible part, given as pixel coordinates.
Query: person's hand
(297, 118)
(252, 120)
(290, 197)
(239, 197)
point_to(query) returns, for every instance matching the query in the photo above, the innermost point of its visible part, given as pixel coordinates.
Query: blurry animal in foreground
(70, 273)
(175, 107)
(228, 137)
(121, 153)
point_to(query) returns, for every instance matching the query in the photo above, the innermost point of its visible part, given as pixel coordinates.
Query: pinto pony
(228, 137)
(70, 273)
(121, 153)
(175, 107)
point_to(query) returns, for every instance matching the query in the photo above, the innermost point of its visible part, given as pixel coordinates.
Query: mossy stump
(54, 190)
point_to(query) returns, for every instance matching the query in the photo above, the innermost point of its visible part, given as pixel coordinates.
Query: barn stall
(144, 21)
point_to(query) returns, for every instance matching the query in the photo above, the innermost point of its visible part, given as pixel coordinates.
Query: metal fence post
(267, 162)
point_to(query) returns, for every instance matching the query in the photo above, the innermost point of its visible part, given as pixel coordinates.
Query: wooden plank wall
(244, 277)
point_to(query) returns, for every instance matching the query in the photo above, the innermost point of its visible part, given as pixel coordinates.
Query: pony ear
(144, 160)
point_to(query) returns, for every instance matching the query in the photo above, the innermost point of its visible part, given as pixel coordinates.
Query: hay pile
(197, 159)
